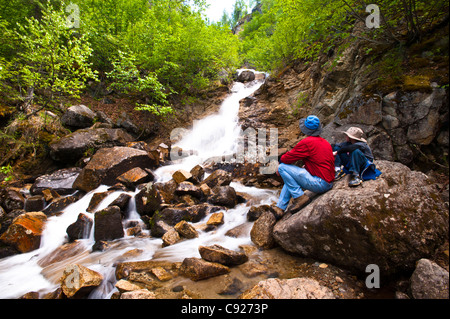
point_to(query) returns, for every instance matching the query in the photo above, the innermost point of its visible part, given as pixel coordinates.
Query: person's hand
(335, 153)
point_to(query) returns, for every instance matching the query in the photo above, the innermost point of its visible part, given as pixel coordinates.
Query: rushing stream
(215, 135)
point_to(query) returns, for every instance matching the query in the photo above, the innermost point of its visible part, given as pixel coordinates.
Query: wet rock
(181, 176)
(231, 286)
(171, 238)
(187, 188)
(206, 191)
(134, 177)
(221, 255)
(392, 222)
(218, 178)
(59, 204)
(159, 228)
(81, 228)
(198, 173)
(78, 116)
(96, 199)
(129, 269)
(108, 224)
(25, 232)
(256, 211)
(216, 219)
(167, 191)
(223, 196)
(239, 231)
(50, 195)
(172, 216)
(296, 288)
(138, 294)
(63, 253)
(161, 274)
(78, 281)
(34, 203)
(108, 164)
(262, 231)
(429, 281)
(126, 286)
(148, 200)
(72, 147)
(30, 295)
(198, 269)
(11, 199)
(122, 202)
(60, 181)
(186, 230)
(246, 76)
(56, 294)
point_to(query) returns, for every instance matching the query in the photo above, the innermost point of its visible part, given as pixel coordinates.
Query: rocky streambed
(128, 222)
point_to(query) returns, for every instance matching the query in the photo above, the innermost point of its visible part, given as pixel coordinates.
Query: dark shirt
(348, 147)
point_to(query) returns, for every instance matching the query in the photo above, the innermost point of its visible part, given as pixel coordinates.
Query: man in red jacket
(318, 173)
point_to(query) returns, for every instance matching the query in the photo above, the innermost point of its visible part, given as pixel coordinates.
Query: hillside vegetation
(158, 60)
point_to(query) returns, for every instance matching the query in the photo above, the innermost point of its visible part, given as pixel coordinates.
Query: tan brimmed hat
(355, 133)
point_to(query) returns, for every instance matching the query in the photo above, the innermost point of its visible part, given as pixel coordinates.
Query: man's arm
(299, 152)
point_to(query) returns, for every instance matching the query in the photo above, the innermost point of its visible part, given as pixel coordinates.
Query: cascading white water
(213, 136)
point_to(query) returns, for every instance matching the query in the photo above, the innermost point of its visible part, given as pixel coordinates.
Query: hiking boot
(339, 174)
(297, 204)
(277, 212)
(355, 181)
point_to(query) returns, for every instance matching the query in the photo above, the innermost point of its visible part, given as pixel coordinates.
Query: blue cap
(312, 122)
(311, 126)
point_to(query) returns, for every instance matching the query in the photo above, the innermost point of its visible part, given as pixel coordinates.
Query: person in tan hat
(354, 157)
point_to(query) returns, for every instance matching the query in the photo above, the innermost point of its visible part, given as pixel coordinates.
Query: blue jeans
(354, 162)
(296, 180)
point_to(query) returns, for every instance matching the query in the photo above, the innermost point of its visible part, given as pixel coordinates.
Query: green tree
(126, 78)
(52, 60)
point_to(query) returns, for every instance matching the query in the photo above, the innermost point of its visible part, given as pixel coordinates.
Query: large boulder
(72, 147)
(108, 164)
(108, 224)
(25, 232)
(391, 222)
(60, 181)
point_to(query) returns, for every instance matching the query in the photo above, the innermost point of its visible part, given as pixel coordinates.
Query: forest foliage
(155, 49)
(51, 49)
(283, 31)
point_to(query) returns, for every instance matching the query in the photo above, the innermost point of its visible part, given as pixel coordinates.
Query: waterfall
(215, 135)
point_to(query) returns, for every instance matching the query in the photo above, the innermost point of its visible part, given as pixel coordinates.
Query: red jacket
(317, 155)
